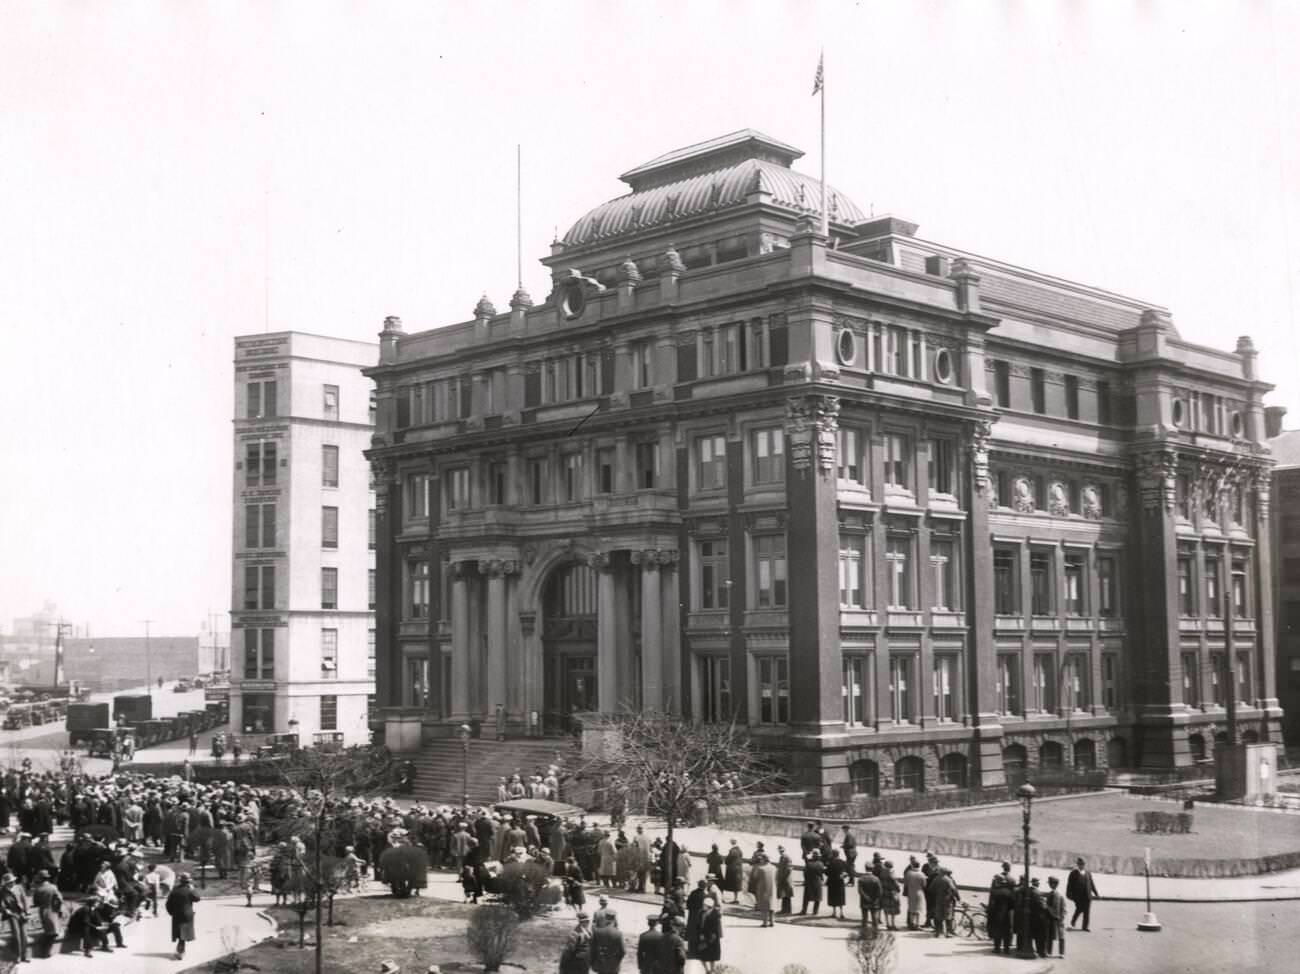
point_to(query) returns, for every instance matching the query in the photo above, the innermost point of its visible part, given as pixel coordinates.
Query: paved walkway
(975, 874)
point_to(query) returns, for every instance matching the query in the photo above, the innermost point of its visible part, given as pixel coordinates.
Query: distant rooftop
(717, 152)
(1286, 449)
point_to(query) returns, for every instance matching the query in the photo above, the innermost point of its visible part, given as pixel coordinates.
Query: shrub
(525, 888)
(405, 868)
(872, 950)
(491, 935)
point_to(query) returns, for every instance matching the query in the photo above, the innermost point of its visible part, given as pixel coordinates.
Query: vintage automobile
(276, 745)
(103, 741)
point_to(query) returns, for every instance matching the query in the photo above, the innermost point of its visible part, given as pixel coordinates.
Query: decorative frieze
(1157, 479)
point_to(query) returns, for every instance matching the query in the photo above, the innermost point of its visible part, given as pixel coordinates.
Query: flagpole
(825, 213)
(519, 213)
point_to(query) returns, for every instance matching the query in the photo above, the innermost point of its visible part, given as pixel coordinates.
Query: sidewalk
(975, 874)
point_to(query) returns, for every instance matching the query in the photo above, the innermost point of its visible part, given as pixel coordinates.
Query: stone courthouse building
(915, 516)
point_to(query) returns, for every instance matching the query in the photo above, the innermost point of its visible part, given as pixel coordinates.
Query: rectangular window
(1213, 598)
(711, 462)
(773, 690)
(1038, 390)
(943, 466)
(1002, 383)
(259, 654)
(1186, 587)
(458, 489)
(853, 578)
(371, 527)
(1110, 681)
(1074, 681)
(851, 466)
(1072, 397)
(943, 559)
(642, 364)
(1045, 682)
(1183, 496)
(537, 480)
(1040, 578)
(496, 482)
(898, 560)
(855, 690)
(371, 654)
(946, 687)
(1217, 681)
(329, 527)
(901, 691)
(1009, 683)
(1107, 587)
(1191, 680)
(261, 400)
(259, 587)
(259, 525)
(769, 572)
(370, 589)
(1002, 486)
(329, 713)
(1240, 605)
(331, 403)
(374, 407)
(329, 466)
(769, 456)
(715, 689)
(329, 654)
(572, 473)
(417, 496)
(1103, 403)
(647, 465)
(259, 464)
(605, 470)
(417, 602)
(715, 575)
(896, 350)
(329, 588)
(1076, 603)
(1245, 688)
(898, 457)
(1006, 581)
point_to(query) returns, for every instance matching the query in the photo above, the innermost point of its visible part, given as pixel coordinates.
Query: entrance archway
(568, 628)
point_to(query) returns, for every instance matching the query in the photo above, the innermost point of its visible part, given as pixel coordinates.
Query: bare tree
(671, 764)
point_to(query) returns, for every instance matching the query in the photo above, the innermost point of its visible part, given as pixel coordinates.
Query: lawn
(412, 933)
(1104, 823)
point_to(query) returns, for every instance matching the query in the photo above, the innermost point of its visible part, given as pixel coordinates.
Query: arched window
(864, 776)
(1221, 737)
(1085, 755)
(1051, 755)
(1117, 753)
(952, 770)
(1196, 745)
(1014, 757)
(909, 773)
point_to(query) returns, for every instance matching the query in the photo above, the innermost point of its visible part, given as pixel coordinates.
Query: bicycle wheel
(981, 923)
(967, 924)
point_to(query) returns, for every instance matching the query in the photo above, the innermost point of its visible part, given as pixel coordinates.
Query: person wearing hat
(1054, 903)
(49, 906)
(1001, 906)
(784, 881)
(576, 958)
(649, 948)
(180, 907)
(763, 885)
(13, 910)
(606, 941)
(604, 915)
(814, 873)
(946, 896)
(1081, 891)
(708, 938)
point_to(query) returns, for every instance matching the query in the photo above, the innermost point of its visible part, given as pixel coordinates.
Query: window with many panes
(851, 463)
(1107, 587)
(329, 588)
(259, 525)
(1045, 682)
(458, 488)
(773, 689)
(901, 689)
(769, 571)
(946, 688)
(571, 476)
(417, 496)
(714, 575)
(856, 689)
(711, 462)
(329, 527)
(1040, 580)
(943, 562)
(261, 400)
(1075, 682)
(330, 405)
(943, 466)
(259, 654)
(329, 653)
(417, 589)
(259, 464)
(647, 464)
(853, 571)
(1076, 597)
(371, 525)
(715, 689)
(1006, 581)
(898, 461)
(259, 587)
(329, 465)
(898, 564)
(370, 589)
(768, 450)
(329, 712)
(1008, 685)
(536, 473)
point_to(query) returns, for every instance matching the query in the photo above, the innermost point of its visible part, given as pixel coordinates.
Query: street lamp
(293, 729)
(1026, 794)
(464, 732)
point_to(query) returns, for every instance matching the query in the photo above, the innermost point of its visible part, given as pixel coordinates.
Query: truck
(131, 707)
(84, 718)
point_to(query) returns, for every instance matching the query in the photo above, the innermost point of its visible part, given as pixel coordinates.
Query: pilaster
(981, 669)
(607, 670)
(652, 655)
(460, 638)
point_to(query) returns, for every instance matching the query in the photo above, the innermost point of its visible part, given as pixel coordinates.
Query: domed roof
(712, 176)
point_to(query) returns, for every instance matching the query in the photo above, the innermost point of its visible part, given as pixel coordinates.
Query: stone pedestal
(1245, 771)
(402, 732)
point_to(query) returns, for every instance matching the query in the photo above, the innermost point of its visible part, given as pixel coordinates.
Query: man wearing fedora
(1081, 891)
(13, 909)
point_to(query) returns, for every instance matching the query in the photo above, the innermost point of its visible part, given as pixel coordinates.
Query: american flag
(819, 82)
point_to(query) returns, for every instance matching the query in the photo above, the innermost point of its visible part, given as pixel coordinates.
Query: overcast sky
(173, 175)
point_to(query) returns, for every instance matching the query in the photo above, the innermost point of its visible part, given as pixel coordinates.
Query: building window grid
(329, 527)
(259, 587)
(773, 689)
(715, 572)
(853, 571)
(1008, 684)
(1045, 682)
(330, 404)
(770, 583)
(262, 400)
(329, 588)
(259, 654)
(370, 589)
(768, 447)
(711, 462)
(944, 562)
(329, 712)
(1006, 581)
(1075, 683)
(898, 559)
(901, 691)
(417, 602)
(371, 654)
(329, 465)
(260, 464)
(947, 688)
(898, 450)
(329, 653)
(259, 525)
(1213, 597)
(1076, 599)
(1040, 581)
(855, 689)
(851, 465)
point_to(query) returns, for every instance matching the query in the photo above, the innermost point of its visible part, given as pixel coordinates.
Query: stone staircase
(441, 766)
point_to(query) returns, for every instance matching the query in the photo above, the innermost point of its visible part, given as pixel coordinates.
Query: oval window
(846, 347)
(943, 366)
(1238, 425)
(1179, 411)
(573, 300)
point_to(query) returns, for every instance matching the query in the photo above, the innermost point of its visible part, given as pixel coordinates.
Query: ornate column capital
(811, 425)
(598, 561)
(981, 437)
(1157, 472)
(462, 571)
(490, 567)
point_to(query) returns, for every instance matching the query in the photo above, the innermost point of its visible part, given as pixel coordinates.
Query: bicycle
(972, 921)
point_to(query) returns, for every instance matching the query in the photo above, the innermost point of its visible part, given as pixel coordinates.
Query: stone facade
(880, 499)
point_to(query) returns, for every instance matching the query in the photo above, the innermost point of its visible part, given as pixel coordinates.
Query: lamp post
(293, 729)
(463, 730)
(1026, 794)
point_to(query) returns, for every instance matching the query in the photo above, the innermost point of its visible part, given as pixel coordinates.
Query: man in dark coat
(849, 846)
(810, 841)
(576, 958)
(606, 948)
(649, 948)
(49, 907)
(13, 910)
(20, 860)
(180, 907)
(1081, 891)
(784, 884)
(673, 955)
(1002, 903)
(1055, 904)
(814, 872)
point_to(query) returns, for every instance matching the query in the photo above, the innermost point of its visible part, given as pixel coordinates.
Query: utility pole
(148, 662)
(60, 677)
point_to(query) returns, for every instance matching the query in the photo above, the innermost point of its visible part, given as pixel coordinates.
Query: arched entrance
(569, 645)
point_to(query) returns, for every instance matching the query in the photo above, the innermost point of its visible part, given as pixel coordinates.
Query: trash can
(475, 728)
(700, 813)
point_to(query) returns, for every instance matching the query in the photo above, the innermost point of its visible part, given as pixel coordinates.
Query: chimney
(1273, 421)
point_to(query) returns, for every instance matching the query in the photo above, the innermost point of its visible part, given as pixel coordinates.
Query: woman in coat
(837, 875)
(716, 864)
(574, 895)
(734, 881)
(762, 882)
(708, 940)
(607, 861)
(180, 907)
(914, 890)
(889, 901)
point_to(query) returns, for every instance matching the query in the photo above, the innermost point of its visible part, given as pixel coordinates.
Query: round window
(846, 347)
(943, 365)
(573, 300)
(1238, 425)
(1179, 411)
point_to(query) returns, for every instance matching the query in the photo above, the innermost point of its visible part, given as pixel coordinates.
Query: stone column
(670, 613)
(388, 514)
(1266, 661)
(606, 634)
(495, 573)
(652, 664)
(460, 650)
(981, 672)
